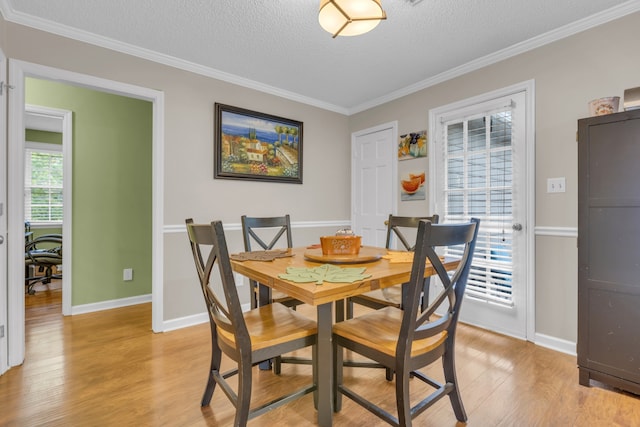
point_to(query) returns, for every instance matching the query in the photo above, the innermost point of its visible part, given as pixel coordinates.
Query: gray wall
(568, 74)
(190, 190)
(596, 63)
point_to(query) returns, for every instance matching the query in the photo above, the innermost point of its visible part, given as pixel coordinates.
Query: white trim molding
(236, 226)
(108, 305)
(557, 231)
(18, 71)
(64, 123)
(528, 87)
(185, 322)
(592, 21)
(161, 58)
(556, 344)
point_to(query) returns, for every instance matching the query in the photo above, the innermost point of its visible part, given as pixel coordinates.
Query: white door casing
(4, 349)
(18, 70)
(64, 119)
(516, 317)
(373, 181)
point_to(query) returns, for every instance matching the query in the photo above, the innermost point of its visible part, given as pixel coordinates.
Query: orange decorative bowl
(421, 176)
(340, 245)
(411, 185)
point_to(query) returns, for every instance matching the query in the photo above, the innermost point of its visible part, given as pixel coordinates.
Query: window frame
(42, 147)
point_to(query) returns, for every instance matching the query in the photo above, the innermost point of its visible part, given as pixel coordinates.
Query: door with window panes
(480, 172)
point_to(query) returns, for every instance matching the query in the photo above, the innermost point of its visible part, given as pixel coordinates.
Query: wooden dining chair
(276, 231)
(407, 340)
(397, 227)
(246, 338)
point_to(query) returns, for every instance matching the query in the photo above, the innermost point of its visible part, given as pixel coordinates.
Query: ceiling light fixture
(350, 17)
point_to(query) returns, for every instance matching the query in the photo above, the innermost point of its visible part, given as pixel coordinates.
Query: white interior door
(373, 181)
(4, 350)
(480, 169)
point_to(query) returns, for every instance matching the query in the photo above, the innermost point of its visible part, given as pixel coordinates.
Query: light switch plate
(556, 185)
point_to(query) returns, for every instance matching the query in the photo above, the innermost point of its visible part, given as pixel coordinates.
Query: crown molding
(105, 42)
(592, 21)
(608, 15)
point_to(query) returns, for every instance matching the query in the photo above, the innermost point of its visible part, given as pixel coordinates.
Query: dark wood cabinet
(609, 250)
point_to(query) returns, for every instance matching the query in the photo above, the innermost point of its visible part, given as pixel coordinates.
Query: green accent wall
(112, 185)
(42, 136)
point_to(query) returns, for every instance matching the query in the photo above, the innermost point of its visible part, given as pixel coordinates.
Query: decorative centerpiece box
(340, 245)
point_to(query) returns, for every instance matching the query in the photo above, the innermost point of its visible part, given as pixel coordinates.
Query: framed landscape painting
(256, 146)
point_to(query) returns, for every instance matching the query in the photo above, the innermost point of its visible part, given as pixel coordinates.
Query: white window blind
(43, 183)
(478, 182)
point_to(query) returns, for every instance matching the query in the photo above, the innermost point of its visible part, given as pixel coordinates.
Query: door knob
(1, 240)
(516, 227)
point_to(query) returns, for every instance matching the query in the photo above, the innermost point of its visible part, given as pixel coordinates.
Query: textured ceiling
(278, 46)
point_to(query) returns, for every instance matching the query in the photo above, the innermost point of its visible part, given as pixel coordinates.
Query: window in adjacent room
(43, 183)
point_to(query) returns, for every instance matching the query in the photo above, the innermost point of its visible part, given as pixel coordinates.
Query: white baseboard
(185, 322)
(193, 320)
(107, 305)
(556, 344)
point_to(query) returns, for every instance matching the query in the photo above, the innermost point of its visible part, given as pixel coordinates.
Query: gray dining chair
(246, 338)
(267, 233)
(398, 228)
(407, 340)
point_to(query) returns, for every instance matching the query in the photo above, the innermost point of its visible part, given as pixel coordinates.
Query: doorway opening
(48, 134)
(18, 72)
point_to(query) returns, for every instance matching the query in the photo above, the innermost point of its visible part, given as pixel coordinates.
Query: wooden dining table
(382, 273)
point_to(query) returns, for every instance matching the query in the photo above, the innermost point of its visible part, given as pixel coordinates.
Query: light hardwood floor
(109, 369)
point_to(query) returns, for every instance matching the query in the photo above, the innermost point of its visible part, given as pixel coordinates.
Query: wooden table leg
(325, 365)
(339, 359)
(264, 298)
(340, 310)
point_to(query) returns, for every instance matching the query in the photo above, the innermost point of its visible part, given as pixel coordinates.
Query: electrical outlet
(127, 274)
(556, 185)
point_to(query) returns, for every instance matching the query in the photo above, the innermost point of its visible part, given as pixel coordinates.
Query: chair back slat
(261, 229)
(224, 310)
(430, 237)
(254, 229)
(398, 225)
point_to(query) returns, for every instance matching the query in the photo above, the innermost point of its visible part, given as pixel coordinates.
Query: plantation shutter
(478, 182)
